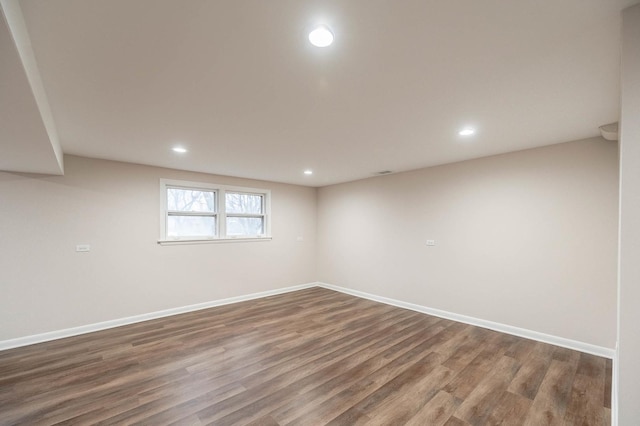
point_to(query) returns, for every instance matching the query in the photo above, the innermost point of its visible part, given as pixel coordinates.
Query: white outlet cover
(431, 242)
(83, 248)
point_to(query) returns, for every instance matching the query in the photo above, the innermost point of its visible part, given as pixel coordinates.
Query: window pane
(190, 200)
(249, 226)
(243, 203)
(191, 226)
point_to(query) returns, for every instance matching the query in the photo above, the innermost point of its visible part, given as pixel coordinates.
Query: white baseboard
(503, 328)
(68, 332)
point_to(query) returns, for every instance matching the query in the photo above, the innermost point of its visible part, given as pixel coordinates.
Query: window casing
(201, 212)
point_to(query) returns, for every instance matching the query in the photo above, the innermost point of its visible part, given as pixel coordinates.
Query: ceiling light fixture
(467, 131)
(321, 36)
(308, 172)
(179, 149)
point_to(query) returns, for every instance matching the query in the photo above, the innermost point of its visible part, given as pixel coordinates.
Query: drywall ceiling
(238, 84)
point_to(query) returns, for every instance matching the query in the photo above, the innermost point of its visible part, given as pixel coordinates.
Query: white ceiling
(238, 84)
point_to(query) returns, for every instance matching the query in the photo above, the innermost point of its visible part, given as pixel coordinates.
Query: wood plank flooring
(311, 357)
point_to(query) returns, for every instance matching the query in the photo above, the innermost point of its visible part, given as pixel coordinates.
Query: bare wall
(527, 239)
(47, 286)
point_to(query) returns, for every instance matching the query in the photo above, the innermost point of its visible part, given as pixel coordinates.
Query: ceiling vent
(609, 131)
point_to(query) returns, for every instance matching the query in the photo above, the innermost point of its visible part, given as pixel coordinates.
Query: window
(192, 211)
(245, 213)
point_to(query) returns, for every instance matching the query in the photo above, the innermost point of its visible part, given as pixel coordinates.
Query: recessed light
(467, 131)
(308, 172)
(179, 149)
(321, 36)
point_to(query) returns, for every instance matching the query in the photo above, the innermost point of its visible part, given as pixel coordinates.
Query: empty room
(319, 212)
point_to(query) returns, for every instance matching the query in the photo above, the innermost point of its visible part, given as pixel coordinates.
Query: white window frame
(223, 225)
(220, 212)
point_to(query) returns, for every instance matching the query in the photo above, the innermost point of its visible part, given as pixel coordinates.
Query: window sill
(213, 240)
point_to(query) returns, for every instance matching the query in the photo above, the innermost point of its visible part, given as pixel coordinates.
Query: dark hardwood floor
(310, 357)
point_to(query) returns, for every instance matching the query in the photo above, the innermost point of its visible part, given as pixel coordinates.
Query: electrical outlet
(82, 248)
(431, 242)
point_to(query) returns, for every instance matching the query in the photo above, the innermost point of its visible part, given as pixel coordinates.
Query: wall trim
(496, 326)
(90, 328)
(503, 328)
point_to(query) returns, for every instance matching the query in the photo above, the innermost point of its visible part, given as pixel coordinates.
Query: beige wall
(629, 286)
(46, 285)
(527, 239)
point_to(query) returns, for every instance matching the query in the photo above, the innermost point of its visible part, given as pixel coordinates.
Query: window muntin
(192, 211)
